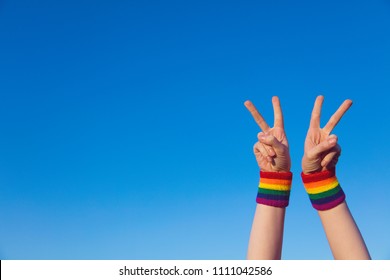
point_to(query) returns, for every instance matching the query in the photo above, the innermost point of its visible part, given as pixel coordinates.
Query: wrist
(275, 171)
(323, 189)
(274, 189)
(308, 171)
(311, 168)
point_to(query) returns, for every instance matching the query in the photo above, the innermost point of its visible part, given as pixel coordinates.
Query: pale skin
(272, 155)
(321, 152)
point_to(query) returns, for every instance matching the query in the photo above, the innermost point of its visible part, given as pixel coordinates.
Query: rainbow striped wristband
(324, 190)
(274, 189)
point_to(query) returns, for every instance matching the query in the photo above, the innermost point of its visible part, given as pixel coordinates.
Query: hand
(271, 151)
(321, 148)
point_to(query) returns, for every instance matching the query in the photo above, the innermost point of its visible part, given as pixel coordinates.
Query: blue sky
(123, 133)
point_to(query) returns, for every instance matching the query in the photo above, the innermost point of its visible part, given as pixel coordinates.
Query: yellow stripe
(323, 188)
(275, 187)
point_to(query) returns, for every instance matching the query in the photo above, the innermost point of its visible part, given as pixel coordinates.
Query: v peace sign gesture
(321, 148)
(271, 151)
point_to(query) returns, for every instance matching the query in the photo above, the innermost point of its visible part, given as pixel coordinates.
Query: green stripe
(325, 194)
(275, 192)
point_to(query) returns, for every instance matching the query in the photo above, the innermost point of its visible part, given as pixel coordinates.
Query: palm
(279, 133)
(316, 138)
(280, 162)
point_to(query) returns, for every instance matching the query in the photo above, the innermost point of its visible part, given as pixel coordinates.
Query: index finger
(256, 116)
(336, 117)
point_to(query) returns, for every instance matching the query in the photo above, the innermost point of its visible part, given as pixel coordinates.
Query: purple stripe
(271, 202)
(329, 205)
(273, 196)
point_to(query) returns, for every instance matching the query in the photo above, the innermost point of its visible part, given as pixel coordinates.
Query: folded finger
(324, 146)
(331, 157)
(260, 149)
(269, 148)
(271, 140)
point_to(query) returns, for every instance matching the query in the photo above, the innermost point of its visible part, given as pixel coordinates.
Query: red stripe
(276, 175)
(319, 176)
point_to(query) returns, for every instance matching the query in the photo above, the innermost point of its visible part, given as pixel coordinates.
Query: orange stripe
(323, 188)
(275, 181)
(320, 183)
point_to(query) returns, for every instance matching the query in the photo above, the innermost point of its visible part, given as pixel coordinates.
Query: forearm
(328, 198)
(266, 236)
(342, 233)
(273, 195)
(273, 157)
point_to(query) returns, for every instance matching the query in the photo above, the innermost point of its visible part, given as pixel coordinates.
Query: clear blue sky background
(123, 133)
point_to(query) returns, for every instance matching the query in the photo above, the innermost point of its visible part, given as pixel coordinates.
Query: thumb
(324, 146)
(273, 142)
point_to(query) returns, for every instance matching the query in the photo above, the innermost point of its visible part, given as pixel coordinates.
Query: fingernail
(332, 141)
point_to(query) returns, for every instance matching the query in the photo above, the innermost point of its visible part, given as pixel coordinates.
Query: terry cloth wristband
(324, 190)
(274, 189)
